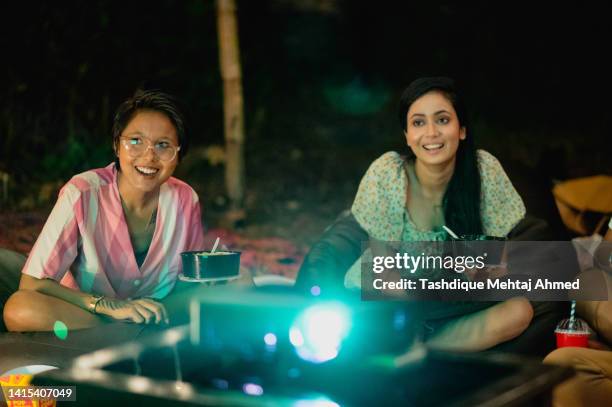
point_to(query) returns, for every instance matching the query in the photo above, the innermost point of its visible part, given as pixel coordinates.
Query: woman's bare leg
(28, 310)
(484, 329)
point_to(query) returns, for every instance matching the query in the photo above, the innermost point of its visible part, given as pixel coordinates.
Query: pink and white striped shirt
(85, 243)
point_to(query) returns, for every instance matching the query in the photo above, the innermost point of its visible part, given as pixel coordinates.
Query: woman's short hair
(157, 101)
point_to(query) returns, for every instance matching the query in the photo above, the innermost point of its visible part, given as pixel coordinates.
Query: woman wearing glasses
(110, 248)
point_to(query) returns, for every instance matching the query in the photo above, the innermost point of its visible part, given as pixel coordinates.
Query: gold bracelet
(96, 304)
(93, 303)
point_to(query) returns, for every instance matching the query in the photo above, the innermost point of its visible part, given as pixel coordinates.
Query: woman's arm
(54, 289)
(142, 310)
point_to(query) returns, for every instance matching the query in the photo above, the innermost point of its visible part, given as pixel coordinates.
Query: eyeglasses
(138, 146)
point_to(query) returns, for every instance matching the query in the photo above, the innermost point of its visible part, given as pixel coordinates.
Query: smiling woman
(110, 248)
(444, 181)
(146, 154)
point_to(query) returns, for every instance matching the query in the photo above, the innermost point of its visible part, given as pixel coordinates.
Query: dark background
(321, 83)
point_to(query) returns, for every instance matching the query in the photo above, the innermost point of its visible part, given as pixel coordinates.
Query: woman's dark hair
(157, 101)
(462, 197)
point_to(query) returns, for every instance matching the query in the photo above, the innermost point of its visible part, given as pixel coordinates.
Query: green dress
(380, 205)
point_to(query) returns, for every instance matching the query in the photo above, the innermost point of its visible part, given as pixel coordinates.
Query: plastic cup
(572, 338)
(573, 333)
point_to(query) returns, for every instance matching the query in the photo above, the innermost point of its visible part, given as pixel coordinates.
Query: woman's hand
(143, 310)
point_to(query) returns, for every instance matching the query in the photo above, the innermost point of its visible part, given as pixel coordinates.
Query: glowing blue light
(315, 290)
(252, 389)
(318, 332)
(270, 339)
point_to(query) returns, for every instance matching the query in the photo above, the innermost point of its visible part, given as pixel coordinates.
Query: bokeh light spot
(270, 339)
(60, 329)
(318, 332)
(253, 389)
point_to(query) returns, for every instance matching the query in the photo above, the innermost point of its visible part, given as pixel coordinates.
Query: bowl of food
(207, 266)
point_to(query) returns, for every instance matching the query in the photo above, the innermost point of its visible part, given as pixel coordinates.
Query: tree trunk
(229, 59)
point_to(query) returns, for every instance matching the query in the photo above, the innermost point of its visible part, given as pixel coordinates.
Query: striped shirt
(85, 243)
